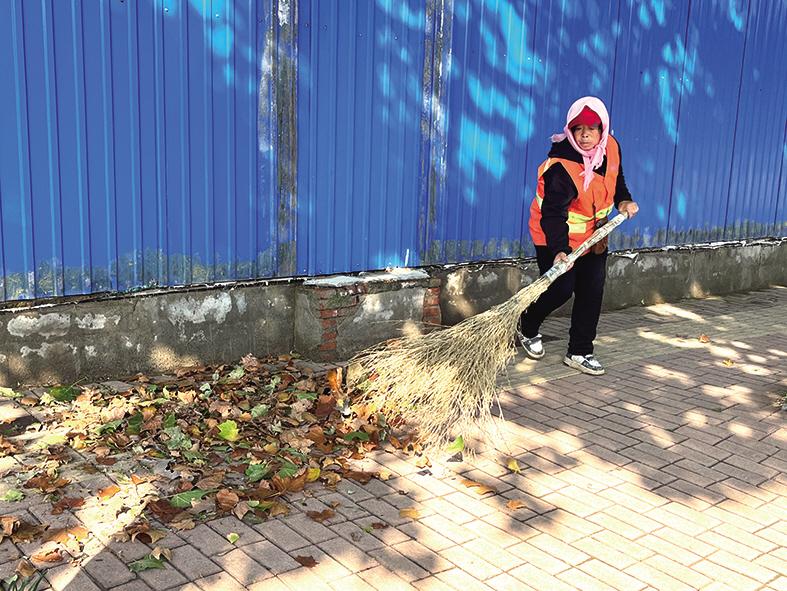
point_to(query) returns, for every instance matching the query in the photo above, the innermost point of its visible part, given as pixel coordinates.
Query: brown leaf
(25, 569)
(410, 512)
(326, 403)
(27, 532)
(321, 516)
(108, 492)
(159, 553)
(163, 510)
(28, 401)
(515, 504)
(106, 461)
(8, 525)
(6, 447)
(182, 523)
(46, 483)
(379, 525)
(48, 556)
(307, 561)
(278, 509)
(703, 338)
(64, 534)
(211, 482)
(295, 484)
(145, 533)
(240, 510)
(67, 503)
(226, 500)
(479, 488)
(359, 476)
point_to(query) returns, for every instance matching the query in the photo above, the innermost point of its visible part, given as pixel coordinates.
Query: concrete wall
(638, 278)
(333, 317)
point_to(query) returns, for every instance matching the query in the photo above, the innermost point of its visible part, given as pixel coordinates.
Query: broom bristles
(444, 382)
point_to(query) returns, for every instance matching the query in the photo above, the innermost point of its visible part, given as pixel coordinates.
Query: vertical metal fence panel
(707, 119)
(646, 110)
(132, 151)
(359, 134)
(757, 192)
(172, 142)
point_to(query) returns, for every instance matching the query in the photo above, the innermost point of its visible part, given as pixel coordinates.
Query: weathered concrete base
(633, 278)
(331, 318)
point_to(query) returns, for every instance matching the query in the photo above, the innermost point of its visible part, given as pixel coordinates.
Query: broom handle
(558, 269)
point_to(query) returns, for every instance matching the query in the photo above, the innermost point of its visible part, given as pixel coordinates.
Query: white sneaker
(532, 346)
(585, 363)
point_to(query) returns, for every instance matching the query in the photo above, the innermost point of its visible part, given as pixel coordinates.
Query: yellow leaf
(513, 465)
(410, 512)
(728, 363)
(312, 474)
(384, 474)
(515, 504)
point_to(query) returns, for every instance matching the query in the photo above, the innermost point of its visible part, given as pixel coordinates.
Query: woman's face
(587, 136)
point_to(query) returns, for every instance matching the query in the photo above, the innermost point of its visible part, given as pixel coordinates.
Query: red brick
(328, 346)
(328, 322)
(328, 313)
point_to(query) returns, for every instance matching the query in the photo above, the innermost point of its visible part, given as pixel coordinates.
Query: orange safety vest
(588, 206)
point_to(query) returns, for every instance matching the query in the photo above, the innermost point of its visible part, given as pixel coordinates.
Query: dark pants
(586, 281)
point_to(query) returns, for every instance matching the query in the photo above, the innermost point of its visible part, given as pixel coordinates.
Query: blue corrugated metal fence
(172, 142)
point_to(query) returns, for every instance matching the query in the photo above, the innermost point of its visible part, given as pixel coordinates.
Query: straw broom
(445, 381)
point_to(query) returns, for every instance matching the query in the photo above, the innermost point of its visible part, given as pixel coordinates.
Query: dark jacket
(559, 191)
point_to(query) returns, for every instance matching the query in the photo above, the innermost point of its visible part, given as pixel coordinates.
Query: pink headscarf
(595, 157)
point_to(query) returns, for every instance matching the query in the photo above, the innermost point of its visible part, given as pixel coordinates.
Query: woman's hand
(630, 208)
(561, 257)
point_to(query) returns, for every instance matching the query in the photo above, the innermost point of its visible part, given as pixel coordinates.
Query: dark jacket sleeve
(559, 191)
(621, 190)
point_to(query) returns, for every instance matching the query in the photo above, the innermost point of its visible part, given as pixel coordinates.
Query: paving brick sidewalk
(669, 472)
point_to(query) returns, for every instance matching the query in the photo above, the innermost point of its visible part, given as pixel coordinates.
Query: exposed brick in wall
(334, 303)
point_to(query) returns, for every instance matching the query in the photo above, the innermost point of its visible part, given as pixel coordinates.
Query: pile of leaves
(205, 441)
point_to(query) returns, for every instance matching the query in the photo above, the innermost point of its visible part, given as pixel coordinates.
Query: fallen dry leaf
(306, 561)
(183, 523)
(65, 534)
(515, 504)
(410, 513)
(278, 509)
(27, 532)
(25, 569)
(144, 533)
(513, 465)
(703, 338)
(378, 525)
(108, 492)
(321, 516)
(46, 483)
(161, 553)
(728, 363)
(479, 488)
(334, 377)
(359, 476)
(226, 500)
(423, 462)
(48, 556)
(67, 503)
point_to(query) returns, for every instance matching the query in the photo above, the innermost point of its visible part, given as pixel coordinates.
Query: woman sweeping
(578, 185)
